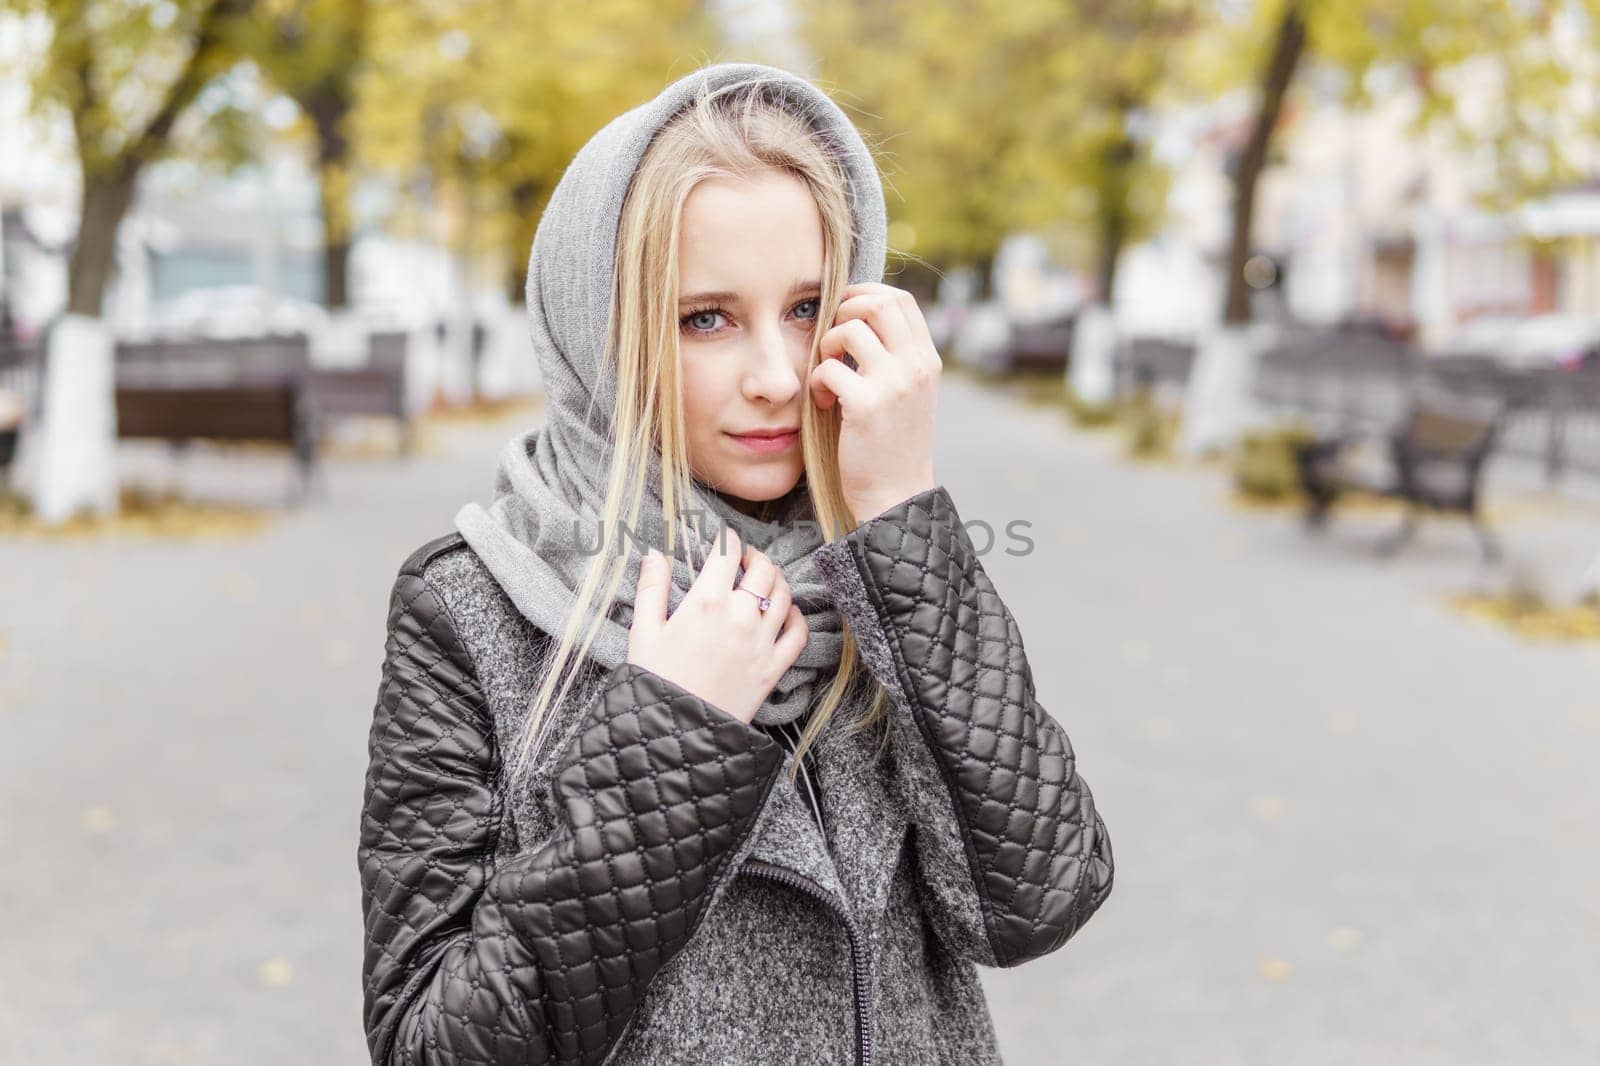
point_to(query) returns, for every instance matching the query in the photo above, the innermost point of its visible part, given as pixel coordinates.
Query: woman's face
(749, 279)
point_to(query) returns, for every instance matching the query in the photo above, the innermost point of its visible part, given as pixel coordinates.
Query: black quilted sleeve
(1013, 856)
(543, 959)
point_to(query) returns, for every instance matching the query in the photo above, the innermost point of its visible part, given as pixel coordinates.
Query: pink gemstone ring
(762, 602)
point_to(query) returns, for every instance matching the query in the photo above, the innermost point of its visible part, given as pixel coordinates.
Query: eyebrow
(732, 297)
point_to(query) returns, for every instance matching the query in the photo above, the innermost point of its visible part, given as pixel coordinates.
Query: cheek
(800, 351)
(705, 393)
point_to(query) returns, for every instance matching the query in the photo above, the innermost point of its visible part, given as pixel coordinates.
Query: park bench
(19, 387)
(1148, 362)
(1436, 457)
(1554, 413)
(378, 388)
(266, 360)
(1572, 429)
(1347, 383)
(256, 389)
(277, 412)
(247, 389)
(1043, 346)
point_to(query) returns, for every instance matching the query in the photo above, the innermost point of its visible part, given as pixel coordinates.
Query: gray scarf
(542, 530)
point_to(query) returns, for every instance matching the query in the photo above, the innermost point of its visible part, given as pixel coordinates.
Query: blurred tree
(1122, 66)
(483, 105)
(999, 115)
(125, 73)
(947, 92)
(1430, 40)
(312, 50)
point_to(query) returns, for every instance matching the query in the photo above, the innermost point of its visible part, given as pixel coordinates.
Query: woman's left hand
(888, 400)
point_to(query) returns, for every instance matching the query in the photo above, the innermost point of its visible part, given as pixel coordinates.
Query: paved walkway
(1350, 824)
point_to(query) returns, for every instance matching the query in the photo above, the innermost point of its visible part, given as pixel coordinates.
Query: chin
(761, 488)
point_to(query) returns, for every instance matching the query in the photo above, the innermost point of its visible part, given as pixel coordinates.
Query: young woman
(710, 741)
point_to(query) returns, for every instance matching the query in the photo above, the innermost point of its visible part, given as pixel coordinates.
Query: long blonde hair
(737, 130)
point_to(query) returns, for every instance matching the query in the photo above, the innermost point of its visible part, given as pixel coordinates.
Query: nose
(772, 372)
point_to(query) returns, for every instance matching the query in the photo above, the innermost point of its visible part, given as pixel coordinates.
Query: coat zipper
(858, 953)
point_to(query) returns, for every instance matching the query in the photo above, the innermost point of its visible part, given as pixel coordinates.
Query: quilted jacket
(661, 893)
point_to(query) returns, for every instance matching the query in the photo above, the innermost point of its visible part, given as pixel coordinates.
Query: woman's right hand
(718, 644)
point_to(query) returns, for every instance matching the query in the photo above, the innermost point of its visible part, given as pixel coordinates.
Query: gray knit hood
(539, 534)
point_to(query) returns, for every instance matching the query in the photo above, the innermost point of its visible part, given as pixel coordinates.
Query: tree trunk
(516, 281)
(1288, 46)
(328, 108)
(336, 271)
(105, 200)
(108, 183)
(1113, 234)
(984, 265)
(76, 447)
(1113, 209)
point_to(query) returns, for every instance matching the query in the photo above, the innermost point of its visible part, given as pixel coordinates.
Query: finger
(650, 597)
(855, 337)
(884, 314)
(792, 641)
(831, 380)
(776, 615)
(754, 583)
(722, 563)
(759, 571)
(875, 288)
(917, 320)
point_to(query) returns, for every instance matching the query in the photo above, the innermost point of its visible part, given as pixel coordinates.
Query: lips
(768, 441)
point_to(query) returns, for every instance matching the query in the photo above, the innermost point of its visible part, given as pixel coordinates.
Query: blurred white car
(983, 337)
(943, 322)
(1538, 340)
(234, 311)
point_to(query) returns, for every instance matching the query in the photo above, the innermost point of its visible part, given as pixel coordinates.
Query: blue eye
(700, 315)
(703, 320)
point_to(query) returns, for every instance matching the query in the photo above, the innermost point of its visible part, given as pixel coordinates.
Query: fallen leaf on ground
(275, 973)
(1269, 808)
(99, 819)
(1273, 969)
(1342, 939)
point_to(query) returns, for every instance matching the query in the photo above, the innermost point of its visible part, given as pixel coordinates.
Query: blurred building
(1370, 223)
(192, 230)
(258, 227)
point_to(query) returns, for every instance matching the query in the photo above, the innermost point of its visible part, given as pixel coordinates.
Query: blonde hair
(738, 130)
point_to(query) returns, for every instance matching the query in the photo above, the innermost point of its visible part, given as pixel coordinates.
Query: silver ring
(762, 602)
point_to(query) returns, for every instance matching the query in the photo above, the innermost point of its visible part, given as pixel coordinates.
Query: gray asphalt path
(1350, 824)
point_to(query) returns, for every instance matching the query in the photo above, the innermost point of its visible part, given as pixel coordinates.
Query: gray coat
(658, 891)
